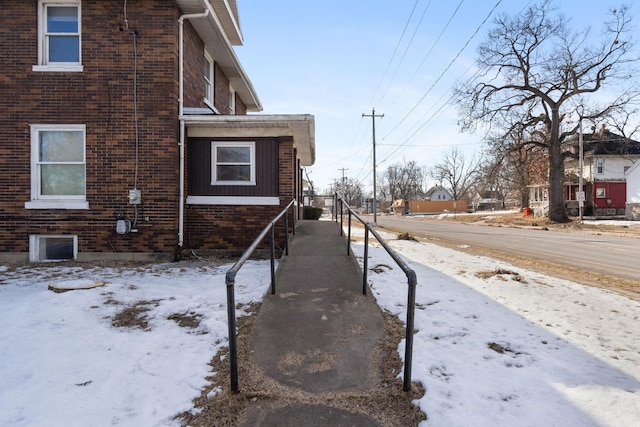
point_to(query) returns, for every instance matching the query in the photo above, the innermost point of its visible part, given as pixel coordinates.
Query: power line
(455, 12)
(395, 51)
(445, 70)
(406, 50)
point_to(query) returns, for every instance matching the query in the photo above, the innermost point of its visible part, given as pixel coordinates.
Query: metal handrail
(230, 281)
(412, 279)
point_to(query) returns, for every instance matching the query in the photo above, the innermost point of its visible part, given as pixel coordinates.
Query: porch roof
(299, 126)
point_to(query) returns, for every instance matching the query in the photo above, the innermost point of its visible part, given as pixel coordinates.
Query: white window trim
(250, 144)
(209, 96)
(232, 100)
(53, 202)
(233, 200)
(600, 167)
(43, 64)
(34, 247)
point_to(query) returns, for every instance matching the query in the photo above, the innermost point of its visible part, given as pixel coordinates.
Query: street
(617, 257)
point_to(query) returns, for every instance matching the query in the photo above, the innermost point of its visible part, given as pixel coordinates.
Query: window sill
(232, 200)
(57, 204)
(76, 68)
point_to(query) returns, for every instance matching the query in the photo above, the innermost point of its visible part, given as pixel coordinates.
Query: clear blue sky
(335, 59)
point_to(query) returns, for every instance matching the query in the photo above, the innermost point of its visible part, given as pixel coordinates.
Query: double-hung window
(208, 79)
(599, 166)
(233, 163)
(59, 36)
(58, 176)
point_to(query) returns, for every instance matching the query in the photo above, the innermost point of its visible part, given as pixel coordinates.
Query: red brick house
(126, 133)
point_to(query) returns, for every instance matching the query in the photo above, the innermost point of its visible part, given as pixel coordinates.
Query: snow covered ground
(495, 345)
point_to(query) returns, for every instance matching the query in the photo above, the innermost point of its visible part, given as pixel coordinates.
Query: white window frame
(214, 161)
(232, 100)
(43, 44)
(39, 201)
(209, 80)
(36, 240)
(599, 166)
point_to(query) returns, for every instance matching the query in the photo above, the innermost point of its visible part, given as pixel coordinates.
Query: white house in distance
(632, 209)
(438, 192)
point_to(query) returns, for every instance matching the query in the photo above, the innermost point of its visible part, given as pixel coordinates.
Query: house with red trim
(607, 158)
(129, 133)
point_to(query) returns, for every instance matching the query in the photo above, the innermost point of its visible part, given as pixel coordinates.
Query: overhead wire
(405, 51)
(406, 25)
(455, 12)
(444, 71)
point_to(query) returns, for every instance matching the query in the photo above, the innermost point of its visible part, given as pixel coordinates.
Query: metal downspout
(180, 114)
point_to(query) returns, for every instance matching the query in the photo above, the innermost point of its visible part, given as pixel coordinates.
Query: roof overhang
(299, 126)
(220, 31)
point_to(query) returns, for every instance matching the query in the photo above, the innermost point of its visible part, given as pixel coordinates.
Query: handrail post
(286, 233)
(231, 321)
(349, 233)
(341, 204)
(365, 262)
(408, 349)
(273, 261)
(293, 222)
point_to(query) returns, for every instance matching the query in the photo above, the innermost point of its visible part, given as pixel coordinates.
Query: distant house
(607, 158)
(127, 133)
(487, 201)
(632, 176)
(437, 193)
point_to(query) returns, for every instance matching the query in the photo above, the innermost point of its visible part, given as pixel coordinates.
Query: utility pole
(343, 169)
(581, 166)
(375, 197)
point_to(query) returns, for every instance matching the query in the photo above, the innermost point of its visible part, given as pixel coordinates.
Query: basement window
(52, 248)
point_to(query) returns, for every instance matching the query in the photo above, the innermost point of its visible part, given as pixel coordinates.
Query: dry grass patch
(500, 273)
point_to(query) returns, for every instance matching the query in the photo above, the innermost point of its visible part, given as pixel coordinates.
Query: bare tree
(516, 162)
(350, 189)
(402, 181)
(539, 76)
(457, 174)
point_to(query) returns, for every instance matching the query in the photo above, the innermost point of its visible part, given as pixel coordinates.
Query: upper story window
(208, 79)
(58, 177)
(59, 36)
(233, 163)
(600, 166)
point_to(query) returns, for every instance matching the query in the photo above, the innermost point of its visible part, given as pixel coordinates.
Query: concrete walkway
(318, 334)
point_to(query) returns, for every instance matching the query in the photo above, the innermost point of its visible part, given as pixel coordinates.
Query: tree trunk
(557, 208)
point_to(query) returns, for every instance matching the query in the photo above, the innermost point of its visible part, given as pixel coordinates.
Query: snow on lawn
(64, 363)
(516, 348)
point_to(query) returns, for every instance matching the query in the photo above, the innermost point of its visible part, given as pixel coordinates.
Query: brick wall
(229, 227)
(101, 97)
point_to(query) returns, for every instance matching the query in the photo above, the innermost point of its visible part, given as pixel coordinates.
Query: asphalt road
(606, 255)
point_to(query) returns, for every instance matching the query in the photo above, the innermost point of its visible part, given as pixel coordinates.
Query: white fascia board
(300, 126)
